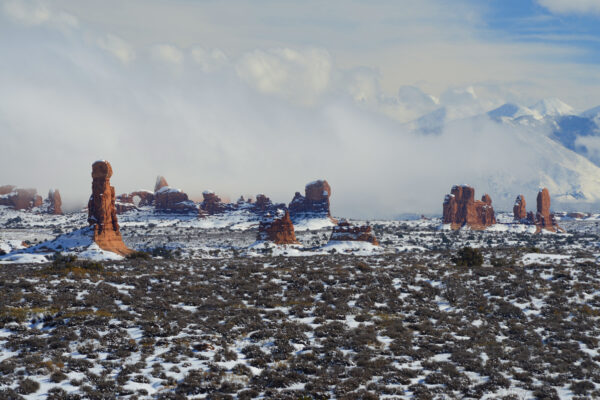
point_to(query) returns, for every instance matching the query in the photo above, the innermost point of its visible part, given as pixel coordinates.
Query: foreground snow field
(217, 315)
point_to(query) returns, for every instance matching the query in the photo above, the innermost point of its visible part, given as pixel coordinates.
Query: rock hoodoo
(344, 231)
(277, 229)
(543, 218)
(519, 209)
(102, 215)
(314, 203)
(54, 202)
(460, 208)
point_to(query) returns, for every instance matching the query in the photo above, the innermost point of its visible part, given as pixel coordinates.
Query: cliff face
(460, 208)
(102, 215)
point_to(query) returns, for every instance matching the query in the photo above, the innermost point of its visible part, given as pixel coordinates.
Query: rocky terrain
(421, 318)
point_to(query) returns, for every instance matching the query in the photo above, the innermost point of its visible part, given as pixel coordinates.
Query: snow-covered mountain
(580, 133)
(553, 148)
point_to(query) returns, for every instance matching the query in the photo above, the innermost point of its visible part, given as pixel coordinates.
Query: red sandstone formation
(19, 199)
(54, 202)
(314, 203)
(278, 230)
(161, 182)
(6, 189)
(131, 201)
(102, 215)
(543, 218)
(169, 199)
(344, 231)
(212, 203)
(461, 208)
(519, 209)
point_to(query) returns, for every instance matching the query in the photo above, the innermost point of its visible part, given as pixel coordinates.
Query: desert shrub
(468, 257)
(162, 252)
(139, 255)
(58, 376)
(28, 386)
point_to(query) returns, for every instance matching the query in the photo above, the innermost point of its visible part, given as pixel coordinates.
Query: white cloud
(209, 61)
(299, 75)
(117, 47)
(33, 13)
(571, 6)
(167, 53)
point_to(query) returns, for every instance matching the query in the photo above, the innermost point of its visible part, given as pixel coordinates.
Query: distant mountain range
(562, 146)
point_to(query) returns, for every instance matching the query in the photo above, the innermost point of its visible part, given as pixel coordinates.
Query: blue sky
(527, 20)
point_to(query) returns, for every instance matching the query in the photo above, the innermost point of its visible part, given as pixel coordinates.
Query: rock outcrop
(344, 231)
(19, 199)
(212, 203)
(519, 209)
(102, 215)
(314, 203)
(53, 204)
(543, 218)
(131, 201)
(161, 182)
(173, 200)
(278, 229)
(460, 208)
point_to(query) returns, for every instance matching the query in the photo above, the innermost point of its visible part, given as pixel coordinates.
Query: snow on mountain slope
(552, 107)
(572, 179)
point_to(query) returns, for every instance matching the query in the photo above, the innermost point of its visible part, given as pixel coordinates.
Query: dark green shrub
(141, 255)
(468, 257)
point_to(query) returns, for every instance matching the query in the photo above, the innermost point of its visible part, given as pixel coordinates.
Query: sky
(247, 97)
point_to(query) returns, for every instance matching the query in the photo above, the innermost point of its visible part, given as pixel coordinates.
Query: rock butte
(278, 229)
(102, 215)
(314, 203)
(168, 199)
(460, 209)
(344, 231)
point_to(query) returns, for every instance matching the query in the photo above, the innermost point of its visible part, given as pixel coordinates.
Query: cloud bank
(245, 120)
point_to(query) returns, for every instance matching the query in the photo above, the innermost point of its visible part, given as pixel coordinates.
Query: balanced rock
(460, 208)
(278, 229)
(314, 203)
(102, 215)
(344, 231)
(543, 218)
(519, 209)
